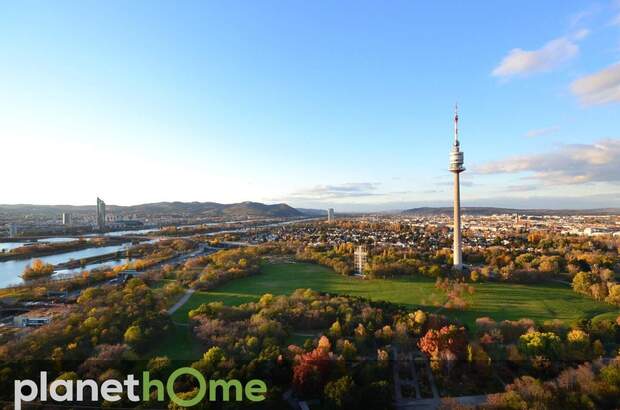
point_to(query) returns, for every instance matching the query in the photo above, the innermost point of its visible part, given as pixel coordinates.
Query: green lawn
(606, 316)
(497, 300)
(177, 344)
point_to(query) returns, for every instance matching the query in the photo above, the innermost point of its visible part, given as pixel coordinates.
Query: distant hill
(205, 209)
(313, 212)
(483, 211)
(242, 209)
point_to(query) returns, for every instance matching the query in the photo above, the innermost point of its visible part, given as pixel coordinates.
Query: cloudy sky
(346, 104)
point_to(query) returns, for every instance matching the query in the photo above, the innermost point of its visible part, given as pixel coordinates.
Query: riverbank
(36, 250)
(11, 270)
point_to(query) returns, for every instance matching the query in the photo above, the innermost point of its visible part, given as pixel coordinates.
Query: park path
(188, 294)
(563, 282)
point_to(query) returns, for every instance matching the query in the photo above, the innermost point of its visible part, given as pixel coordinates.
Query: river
(10, 270)
(7, 246)
(122, 233)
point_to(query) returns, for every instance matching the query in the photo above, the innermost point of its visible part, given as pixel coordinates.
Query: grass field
(497, 300)
(177, 344)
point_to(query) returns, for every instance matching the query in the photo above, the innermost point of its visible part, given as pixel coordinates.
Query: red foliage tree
(449, 341)
(312, 368)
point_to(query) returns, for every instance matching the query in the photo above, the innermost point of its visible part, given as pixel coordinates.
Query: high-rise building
(360, 260)
(330, 215)
(66, 218)
(456, 167)
(100, 214)
(12, 230)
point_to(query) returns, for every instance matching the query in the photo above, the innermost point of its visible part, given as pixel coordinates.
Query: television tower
(456, 167)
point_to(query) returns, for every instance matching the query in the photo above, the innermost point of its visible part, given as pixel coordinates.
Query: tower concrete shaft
(457, 255)
(456, 167)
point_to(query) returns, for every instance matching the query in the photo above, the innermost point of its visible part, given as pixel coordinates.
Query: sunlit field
(499, 301)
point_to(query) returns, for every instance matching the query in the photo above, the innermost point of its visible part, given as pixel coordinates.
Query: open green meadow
(177, 344)
(499, 301)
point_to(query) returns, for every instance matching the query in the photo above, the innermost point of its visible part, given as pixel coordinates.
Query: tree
(614, 295)
(266, 299)
(523, 261)
(133, 336)
(448, 341)
(37, 270)
(213, 356)
(158, 366)
(586, 387)
(583, 282)
(335, 330)
(434, 271)
(341, 393)
(360, 334)
(577, 336)
(525, 392)
(545, 344)
(89, 294)
(578, 344)
(349, 351)
(311, 370)
(551, 264)
(419, 317)
(598, 349)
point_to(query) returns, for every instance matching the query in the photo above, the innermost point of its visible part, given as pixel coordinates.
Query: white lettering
(19, 395)
(94, 389)
(131, 384)
(68, 390)
(111, 390)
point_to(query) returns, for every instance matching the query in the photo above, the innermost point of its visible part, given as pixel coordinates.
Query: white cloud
(553, 54)
(542, 131)
(580, 17)
(581, 34)
(568, 164)
(521, 188)
(599, 88)
(348, 190)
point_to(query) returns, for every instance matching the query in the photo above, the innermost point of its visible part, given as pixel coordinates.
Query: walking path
(188, 294)
(563, 282)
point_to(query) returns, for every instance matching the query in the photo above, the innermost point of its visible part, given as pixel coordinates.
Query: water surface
(10, 270)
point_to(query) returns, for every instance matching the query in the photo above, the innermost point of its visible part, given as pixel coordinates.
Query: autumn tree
(310, 372)
(37, 270)
(341, 393)
(449, 341)
(545, 345)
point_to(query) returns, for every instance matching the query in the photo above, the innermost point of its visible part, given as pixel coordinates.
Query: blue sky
(346, 104)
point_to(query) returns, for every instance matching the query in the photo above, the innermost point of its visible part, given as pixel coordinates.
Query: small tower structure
(360, 260)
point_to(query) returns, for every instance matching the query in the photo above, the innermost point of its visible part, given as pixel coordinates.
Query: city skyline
(230, 103)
